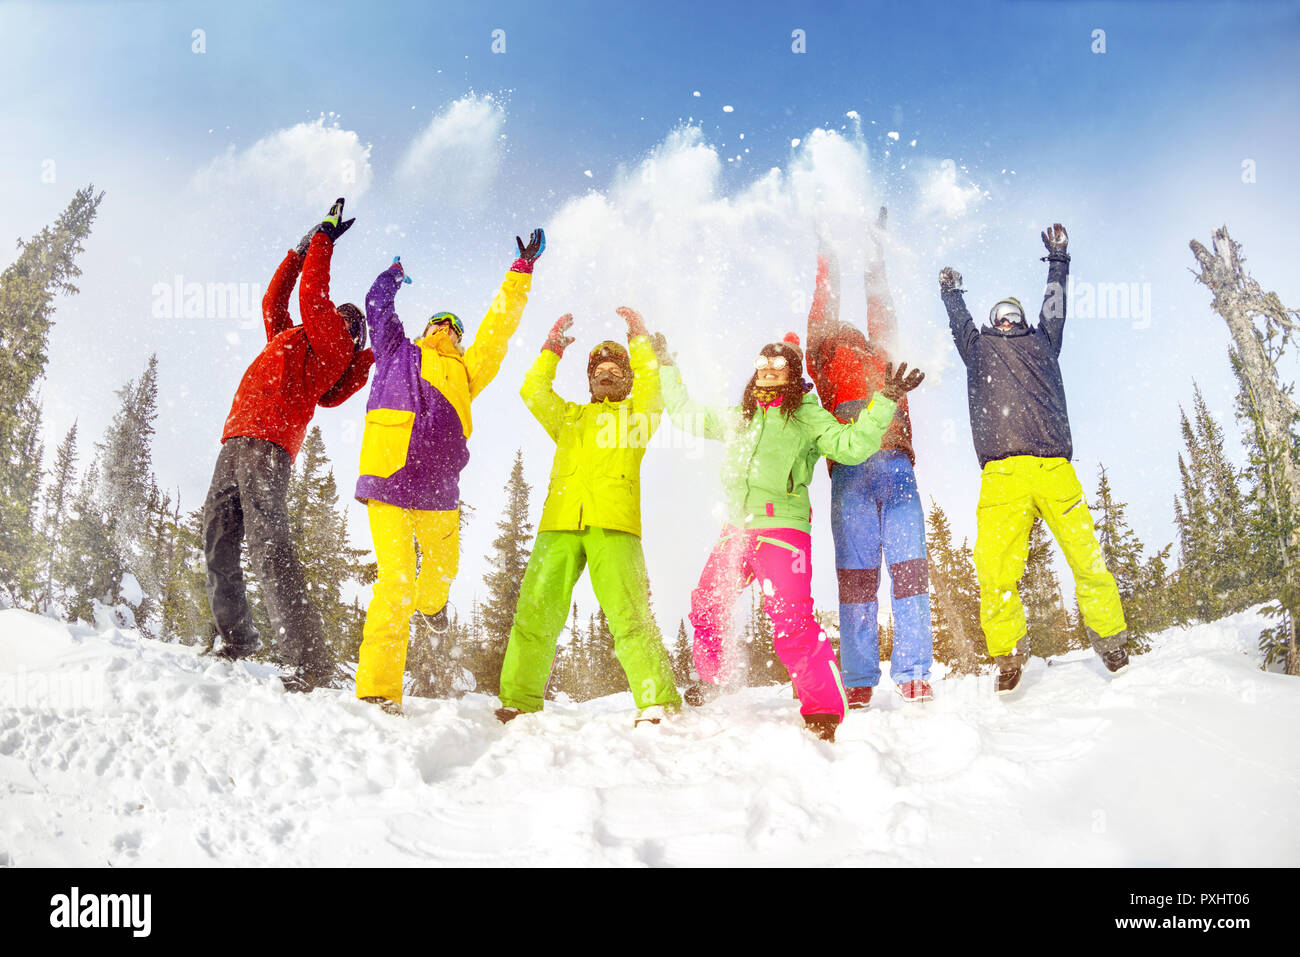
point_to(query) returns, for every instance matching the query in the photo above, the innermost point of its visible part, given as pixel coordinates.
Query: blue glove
(397, 261)
(536, 245)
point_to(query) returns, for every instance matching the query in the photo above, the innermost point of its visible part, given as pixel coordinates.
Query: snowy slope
(121, 750)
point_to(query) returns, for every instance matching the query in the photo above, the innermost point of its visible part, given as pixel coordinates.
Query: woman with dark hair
(774, 440)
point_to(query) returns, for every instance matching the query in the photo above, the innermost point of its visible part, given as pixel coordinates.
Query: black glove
(896, 384)
(659, 342)
(536, 244)
(949, 278)
(1056, 240)
(331, 226)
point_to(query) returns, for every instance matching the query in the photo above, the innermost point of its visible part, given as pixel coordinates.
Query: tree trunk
(1239, 300)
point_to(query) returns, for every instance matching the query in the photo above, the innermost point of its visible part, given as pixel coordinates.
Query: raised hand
(1055, 239)
(897, 384)
(529, 254)
(949, 278)
(635, 324)
(331, 225)
(401, 270)
(556, 340)
(659, 342)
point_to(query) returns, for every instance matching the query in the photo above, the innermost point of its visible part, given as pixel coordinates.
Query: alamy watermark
(179, 299)
(1101, 300)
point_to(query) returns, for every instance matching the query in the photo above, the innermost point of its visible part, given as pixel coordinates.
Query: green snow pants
(1013, 492)
(619, 579)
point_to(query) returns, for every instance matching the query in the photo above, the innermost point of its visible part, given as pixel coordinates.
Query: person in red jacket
(875, 506)
(321, 362)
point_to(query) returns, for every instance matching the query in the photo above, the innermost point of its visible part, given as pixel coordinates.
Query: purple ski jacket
(418, 422)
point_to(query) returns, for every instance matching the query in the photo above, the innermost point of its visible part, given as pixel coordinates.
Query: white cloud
(456, 158)
(301, 167)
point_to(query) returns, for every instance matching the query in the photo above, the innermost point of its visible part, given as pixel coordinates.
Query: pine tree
(44, 269)
(683, 657)
(58, 502)
(509, 559)
(954, 606)
(1217, 561)
(125, 474)
(87, 561)
(1141, 583)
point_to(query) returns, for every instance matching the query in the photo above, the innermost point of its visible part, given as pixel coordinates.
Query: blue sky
(1137, 150)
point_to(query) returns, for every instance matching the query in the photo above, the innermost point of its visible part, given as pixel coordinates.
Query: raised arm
(882, 322)
(386, 332)
(647, 395)
(538, 395)
(687, 414)
(1051, 318)
(960, 322)
(824, 316)
(327, 331)
(484, 357)
(275, 304)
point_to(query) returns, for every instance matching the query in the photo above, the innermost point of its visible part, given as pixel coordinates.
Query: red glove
(635, 324)
(556, 340)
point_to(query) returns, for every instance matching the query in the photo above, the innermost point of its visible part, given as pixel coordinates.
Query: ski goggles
(448, 319)
(770, 362)
(609, 351)
(1006, 311)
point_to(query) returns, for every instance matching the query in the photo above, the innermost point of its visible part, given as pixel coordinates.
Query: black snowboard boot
(1010, 668)
(297, 681)
(1111, 650)
(388, 707)
(506, 715)
(1115, 661)
(822, 725)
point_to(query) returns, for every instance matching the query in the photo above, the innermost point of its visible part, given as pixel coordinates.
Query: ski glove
(949, 278)
(331, 226)
(896, 384)
(659, 342)
(635, 324)
(556, 340)
(529, 254)
(1056, 240)
(401, 270)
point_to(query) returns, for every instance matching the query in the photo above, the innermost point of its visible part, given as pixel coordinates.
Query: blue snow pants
(875, 507)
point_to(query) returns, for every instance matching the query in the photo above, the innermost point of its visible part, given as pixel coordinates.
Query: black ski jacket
(1013, 379)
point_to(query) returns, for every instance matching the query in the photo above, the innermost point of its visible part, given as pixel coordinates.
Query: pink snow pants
(780, 558)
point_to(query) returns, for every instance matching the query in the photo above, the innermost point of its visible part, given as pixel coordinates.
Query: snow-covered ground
(126, 751)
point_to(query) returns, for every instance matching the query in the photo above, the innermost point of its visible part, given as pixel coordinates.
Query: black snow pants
(249, 498)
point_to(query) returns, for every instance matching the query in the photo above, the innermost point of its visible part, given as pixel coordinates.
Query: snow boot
(297, 681)
(859, 698)
(822, 725)
(700, 693)
(388, 707)
(1010, 668)
(1111, 650)
(912, 691)
(506, 715)
(1115, 661)
(652, 715)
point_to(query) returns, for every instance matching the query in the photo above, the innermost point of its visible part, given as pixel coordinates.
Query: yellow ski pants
(399, 591)
(1013, 492)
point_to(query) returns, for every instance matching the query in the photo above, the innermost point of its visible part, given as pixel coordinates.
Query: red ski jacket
(846, 371)
(301, 366)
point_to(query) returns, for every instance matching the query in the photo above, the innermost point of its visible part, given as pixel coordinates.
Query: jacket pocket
(386, 441)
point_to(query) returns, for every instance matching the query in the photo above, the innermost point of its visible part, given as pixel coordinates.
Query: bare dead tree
(1261, 328)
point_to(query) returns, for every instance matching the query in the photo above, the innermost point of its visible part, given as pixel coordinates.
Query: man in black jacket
(1022, 438)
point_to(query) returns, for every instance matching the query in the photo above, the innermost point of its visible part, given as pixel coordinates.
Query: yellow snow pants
(399, 592)
(1013, 492)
